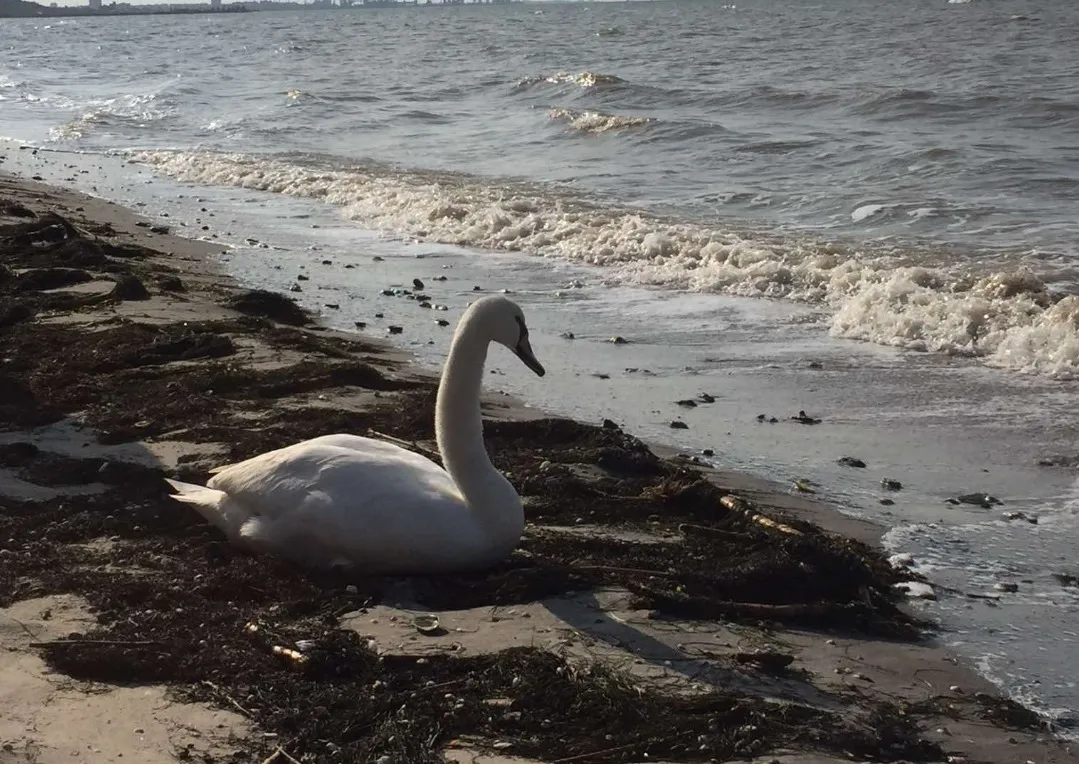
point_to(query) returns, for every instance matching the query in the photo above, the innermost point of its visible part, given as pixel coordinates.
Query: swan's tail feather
(215, 506)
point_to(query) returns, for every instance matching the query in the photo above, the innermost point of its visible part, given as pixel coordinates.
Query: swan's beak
(524, 352)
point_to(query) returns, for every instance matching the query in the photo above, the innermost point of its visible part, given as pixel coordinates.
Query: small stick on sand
(612, 569)
(592, 754)
(703, 530)
(99, 642)
(231, 700)
(279, 753)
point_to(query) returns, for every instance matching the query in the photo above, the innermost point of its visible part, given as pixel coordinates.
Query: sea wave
(1008, 317)
(580, 79)
(597, 122)
(132, 109)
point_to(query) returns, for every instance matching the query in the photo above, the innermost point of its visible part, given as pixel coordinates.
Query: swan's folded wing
(312, 478)
(372, 448)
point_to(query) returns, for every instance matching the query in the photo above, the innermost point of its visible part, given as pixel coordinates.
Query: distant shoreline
(9, 10)
(24, 9)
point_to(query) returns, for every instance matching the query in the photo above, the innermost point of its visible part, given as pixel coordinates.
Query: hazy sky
(70, 3)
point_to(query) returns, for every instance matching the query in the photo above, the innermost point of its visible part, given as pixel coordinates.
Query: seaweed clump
(176, 604)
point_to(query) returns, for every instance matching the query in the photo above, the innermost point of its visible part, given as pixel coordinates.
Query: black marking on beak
(523, 350)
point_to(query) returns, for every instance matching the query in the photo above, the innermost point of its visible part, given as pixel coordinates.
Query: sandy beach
(654, 611)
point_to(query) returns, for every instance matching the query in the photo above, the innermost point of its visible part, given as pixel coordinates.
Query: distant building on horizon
(95, 5)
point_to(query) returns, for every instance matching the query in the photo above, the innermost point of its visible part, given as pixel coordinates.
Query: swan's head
(501, 320)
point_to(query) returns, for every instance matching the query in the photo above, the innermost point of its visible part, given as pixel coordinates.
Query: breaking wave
(581, 80)
(597, 122)
(127, 109)
(1009, 317)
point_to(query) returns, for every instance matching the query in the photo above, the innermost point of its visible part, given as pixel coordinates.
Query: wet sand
(655, 610)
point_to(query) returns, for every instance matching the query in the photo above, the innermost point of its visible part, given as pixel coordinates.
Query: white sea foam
(1007, 318)
(867, 211)
(597, 122)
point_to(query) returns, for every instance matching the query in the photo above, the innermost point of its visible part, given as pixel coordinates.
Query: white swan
(368, 505)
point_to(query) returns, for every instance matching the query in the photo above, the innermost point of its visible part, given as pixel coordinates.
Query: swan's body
(346, 500)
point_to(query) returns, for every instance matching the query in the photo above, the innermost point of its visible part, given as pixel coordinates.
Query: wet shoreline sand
(688, 615)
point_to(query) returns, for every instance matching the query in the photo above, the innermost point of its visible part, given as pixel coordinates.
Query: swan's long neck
(459, 431)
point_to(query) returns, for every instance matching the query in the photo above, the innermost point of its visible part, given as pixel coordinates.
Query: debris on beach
(983, 500)
(259, 302)
(803, 486)
(766, 418)
(295, 656)
(677, 424)
(851, 461)
(770, 661)
(171, 284)
(1060, 460)
(891, 484)
(804, 418)
(427, 624)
